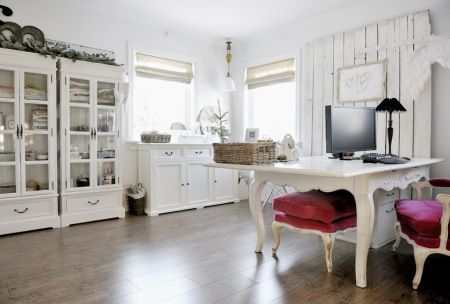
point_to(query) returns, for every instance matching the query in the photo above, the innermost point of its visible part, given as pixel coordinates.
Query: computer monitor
(350, 129)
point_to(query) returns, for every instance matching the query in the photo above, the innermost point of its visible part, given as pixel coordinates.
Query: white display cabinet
(89, 146)
(28, 156)
(176, 179)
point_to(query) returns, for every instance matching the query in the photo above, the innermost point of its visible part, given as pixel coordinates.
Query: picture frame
(363, 82)
(251, 135)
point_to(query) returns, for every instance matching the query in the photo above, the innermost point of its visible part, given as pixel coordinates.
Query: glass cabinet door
(9, 140)
(80, 134)
(35, 133)
(106, 135)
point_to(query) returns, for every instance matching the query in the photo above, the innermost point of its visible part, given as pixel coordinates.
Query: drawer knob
(169, 153)
(94, 203)
(390, 194)
(23, 211)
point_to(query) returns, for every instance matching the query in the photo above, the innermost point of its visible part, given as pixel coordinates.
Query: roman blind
(163, 68)
(271, 73)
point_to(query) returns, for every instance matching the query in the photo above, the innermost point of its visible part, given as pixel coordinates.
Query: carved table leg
(255, 193)
(365, 219)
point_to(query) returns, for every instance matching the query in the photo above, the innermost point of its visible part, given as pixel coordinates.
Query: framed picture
(364, 82)
(251, 135)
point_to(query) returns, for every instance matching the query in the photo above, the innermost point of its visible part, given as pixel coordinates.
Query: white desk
(361, 179)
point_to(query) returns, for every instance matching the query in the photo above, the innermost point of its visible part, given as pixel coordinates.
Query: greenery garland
(64, 52)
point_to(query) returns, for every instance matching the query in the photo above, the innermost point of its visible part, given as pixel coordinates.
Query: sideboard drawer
(167, 153)
(26, 210)
(198, 153)
(92, 202)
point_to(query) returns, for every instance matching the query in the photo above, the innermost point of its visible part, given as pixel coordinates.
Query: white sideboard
(175, 178)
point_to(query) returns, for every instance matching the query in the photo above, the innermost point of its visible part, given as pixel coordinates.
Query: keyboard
(383, 158)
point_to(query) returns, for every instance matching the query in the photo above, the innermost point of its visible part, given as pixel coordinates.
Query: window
(272, 99)
(161, 96)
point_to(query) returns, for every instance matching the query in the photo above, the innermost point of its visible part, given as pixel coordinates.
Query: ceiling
(217, 19)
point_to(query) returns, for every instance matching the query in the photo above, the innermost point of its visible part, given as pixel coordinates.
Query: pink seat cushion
(317, 205)
(421, 221)
(338, 225)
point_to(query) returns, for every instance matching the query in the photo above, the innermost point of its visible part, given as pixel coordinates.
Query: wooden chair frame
(327, 238)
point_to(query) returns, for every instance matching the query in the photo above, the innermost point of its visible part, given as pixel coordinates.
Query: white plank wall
(388, 40)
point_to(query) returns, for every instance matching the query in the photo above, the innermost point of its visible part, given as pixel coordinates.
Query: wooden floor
(201, 256)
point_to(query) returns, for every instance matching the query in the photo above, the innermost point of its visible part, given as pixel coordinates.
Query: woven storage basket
(245, 153)
(155, 138)
(136, 206)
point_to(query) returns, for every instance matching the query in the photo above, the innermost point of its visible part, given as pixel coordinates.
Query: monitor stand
(342, 157)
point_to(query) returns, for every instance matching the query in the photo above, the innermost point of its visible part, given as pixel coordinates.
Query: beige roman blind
(163, 68)
(271, 73)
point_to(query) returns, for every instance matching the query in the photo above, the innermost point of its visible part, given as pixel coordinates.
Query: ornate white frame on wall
(362, 82)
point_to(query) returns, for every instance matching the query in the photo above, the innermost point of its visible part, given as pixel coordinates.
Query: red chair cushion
(338, 225)
(424, 241)
(421, 221)
(317, 205)
(440, 182)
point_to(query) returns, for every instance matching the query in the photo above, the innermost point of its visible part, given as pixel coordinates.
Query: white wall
(64, 21)
(362, 13)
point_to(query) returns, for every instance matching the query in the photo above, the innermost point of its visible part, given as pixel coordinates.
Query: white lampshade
(229, 85)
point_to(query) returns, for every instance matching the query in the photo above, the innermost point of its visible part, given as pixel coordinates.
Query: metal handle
(21, 131)
(169, 153)
(18, 132)
(215, 181)
(389, 211)
(92, 133)
(95, 133)
(23, 211)
(94, 203)
(390, 194)
(182, 185)
(187, 184)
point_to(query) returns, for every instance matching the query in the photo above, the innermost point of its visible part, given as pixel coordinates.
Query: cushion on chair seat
(317, 205)
(440, 182)
(424, 241)
(421, 221)
(338, 225)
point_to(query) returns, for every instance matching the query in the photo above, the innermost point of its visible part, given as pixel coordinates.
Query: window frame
(248, 101)
(192, 90)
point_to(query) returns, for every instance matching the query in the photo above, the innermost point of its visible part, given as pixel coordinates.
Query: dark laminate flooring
(201, 256)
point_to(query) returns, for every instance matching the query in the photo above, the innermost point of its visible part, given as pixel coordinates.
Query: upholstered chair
(424, 224)
(316, 212)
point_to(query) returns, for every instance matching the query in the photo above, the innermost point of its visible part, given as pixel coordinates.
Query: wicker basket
(136, 206)
(245, 153)
(150, 137)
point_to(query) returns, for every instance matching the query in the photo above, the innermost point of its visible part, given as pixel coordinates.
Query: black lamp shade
(390, 105)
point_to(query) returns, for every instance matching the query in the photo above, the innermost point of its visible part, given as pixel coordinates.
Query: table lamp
(390, 105)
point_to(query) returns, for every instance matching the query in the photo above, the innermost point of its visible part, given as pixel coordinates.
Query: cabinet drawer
(385, 222)
(167, 153)
(26, 210)
(198, 153)
(92, 202)
(385, 197)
